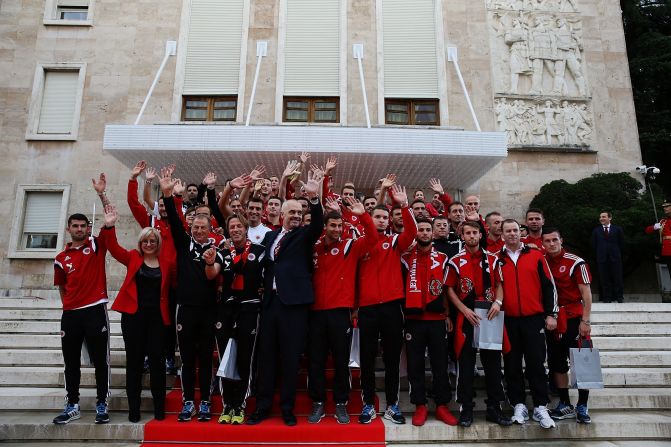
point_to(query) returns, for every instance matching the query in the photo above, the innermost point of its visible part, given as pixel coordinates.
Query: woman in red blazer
(143, 303)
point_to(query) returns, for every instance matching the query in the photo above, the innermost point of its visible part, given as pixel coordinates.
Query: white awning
(457, 157)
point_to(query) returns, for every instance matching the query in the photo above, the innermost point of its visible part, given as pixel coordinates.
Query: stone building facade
(548, 78)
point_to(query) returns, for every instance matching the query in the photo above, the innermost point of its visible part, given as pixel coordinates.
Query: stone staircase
(633, 410)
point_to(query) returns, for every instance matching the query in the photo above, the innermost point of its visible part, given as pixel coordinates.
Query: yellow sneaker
(238, 416)
(226, 416)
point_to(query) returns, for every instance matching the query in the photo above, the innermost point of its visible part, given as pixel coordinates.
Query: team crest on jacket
(251, 257)
(86, 251)
(408, 336)
(562, 269)
(335, 251)
(218, 325)
(179, 327)
(435, 287)
(385, 246)
(466, 285)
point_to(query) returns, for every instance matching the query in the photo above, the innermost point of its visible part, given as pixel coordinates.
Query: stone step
(33, 398)
(42, 327)
(625, 329)
(636, 428)
(46, 341)
(628, 317)
(631, 307)
(606, 425)
(631, 343)
(43, 314)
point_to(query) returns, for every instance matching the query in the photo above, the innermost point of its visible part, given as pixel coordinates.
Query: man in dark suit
(286, 302)
(608, 242)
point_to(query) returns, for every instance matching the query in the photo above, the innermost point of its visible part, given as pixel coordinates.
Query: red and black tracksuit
(529, 295)
(380, 300)
(333, 281)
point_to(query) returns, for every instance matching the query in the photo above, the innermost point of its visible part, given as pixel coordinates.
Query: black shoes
(288, 418)
(257, 417)
(494, 414)
(466, 417)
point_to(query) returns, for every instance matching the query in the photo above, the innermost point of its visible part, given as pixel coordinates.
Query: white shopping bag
(585, 372)
(489, 334)
(228, 368)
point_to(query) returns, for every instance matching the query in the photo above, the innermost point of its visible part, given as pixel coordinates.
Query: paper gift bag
(354, 350)
(585, 372)
(489, 334)
(228, 368)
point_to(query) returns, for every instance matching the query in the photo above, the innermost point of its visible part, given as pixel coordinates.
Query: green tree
(574, 209)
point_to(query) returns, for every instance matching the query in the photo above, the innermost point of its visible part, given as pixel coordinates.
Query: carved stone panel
(533, 5)
(544, 122)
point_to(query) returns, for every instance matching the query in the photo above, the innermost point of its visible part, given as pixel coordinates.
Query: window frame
(32, 132)
(51, 16)
(210, 107)
(16, 235)
(311, 100)
(411, 103)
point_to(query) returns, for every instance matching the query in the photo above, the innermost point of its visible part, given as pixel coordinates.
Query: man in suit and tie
(608, 242)
(287, 297)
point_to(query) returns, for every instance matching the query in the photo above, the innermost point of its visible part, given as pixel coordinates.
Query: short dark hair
(471, 225)
(368, 197)
(453, 204)
(610, 215)
(505, 221)
(548, 230)
(437, 218)
(493, 213)
(347, 187)
(240, 217)
(276, 198)
(255, 200)
(304, 199)
(191, 184)
(394, 207)
(534, 210)
(417, 201)
(380, 207)
(420, 220)
(191, 209)
(77, 216)
(331, 215)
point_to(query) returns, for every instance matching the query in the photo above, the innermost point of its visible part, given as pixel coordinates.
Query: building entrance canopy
(458, 158)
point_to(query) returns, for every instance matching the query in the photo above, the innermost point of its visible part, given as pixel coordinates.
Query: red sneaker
(419, 418)
(443, 414)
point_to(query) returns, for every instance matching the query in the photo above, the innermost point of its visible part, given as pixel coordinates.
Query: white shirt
(514, 255)
(257, 233)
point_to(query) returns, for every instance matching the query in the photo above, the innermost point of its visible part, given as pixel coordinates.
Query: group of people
(286, 268)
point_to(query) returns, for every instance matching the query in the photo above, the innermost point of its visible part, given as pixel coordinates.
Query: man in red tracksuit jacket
(529, 300)
(335, 264)
(381, 294)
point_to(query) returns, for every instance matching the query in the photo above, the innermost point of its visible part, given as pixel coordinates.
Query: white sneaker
(520, 414)
(542, 416)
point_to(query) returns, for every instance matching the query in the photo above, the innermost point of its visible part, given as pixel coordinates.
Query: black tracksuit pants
(195, 337)
(143, 333)
(89, 325)
(240, 323)
(382, 322)
(527, 340)
(282, 334)
(491, 362)
(420, 335)
(329, 331)
(170, 335)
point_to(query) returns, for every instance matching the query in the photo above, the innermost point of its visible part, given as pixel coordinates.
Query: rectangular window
(421, 112)
(311, 110)
(205, 108)
(68, 12)
(56, 102)
(39, 221)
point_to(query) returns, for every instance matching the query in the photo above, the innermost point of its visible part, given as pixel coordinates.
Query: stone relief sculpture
(540, 46)
(534, 5)
(543, 123)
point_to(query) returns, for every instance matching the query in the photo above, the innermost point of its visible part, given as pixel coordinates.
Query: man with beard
(286, 302)
(257, 230)
(397, 223)
(529, 300)
(369, 203)
(494, 235)
(381, 292)
(334, 281)
(238, 314)
(472, 278)
(273, 210)
(427, 325)
(419, 209)
(534, 221)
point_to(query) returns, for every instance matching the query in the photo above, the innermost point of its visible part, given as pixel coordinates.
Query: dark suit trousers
(610, 275)
(282, 334)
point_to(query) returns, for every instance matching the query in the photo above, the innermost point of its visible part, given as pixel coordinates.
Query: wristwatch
(499, 302)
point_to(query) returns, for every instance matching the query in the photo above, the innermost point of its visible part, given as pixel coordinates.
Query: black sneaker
(466, 416)
(494, 414)
(70, 413)
(317, 413)
(341, 414)
(394, 414)
(102, 417)
(204, 413)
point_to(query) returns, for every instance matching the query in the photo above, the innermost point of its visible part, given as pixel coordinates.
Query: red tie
(605, 230)
(277, 247)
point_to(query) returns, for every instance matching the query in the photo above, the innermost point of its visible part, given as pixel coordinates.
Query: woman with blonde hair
(143, 303)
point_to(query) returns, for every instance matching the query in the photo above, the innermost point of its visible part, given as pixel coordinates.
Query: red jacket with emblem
(380, 276)
(335, 266)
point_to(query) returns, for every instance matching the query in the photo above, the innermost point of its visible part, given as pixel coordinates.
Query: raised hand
(171, 168)
(179, 187)
(331, 164)
(241, 182)
(101, 184)
(210, 180)
(257, 172)
(314, 182)
(435, 185)
(315, 168)
(399, 195)
(304, 157)
(472, 213)
(167, 182)
(388, 181)
(331, 204)
(150, 174)
(355, 206)
(111, 215)
(291, 169)
(210, 255)
(137, 170)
